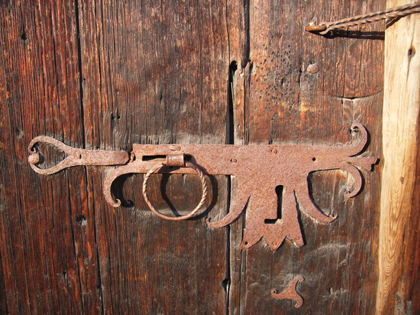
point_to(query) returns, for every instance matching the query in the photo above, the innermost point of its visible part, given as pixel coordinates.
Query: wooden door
(109, 74)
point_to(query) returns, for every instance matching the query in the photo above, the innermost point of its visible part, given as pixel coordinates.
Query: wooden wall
(107, 74)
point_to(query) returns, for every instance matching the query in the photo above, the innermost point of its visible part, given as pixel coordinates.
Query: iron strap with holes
(259, 169)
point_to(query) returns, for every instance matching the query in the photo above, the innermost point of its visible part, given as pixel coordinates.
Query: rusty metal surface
(389, 14)
(175, 160)
(259, 169)
(74, 156)
(290, 293)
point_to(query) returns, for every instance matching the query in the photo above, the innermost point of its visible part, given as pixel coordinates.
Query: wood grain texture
(398, 254)
(106, 75)
(286, 101)
(156, 73)
(39, 86)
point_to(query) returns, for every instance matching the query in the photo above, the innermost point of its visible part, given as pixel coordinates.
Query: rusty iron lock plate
(259, 169)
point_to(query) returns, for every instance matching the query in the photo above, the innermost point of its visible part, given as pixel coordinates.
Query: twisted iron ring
(156, 168)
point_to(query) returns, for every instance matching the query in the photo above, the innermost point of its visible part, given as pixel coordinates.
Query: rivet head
(34, 158)
(312, 68)
(234, 160)
(274, 151)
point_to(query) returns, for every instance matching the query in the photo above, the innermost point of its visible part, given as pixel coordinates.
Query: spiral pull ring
(155, 169)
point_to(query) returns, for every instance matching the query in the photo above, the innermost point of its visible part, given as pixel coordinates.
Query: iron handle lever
(74, 156)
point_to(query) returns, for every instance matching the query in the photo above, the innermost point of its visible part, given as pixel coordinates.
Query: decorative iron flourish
(290, 292)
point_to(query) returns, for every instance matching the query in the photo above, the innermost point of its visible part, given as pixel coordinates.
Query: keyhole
(279, 192)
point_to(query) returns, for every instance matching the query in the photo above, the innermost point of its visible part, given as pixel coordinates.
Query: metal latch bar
(258, 168)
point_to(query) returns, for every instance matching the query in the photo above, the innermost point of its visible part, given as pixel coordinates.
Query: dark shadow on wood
(49, 155)
(117, 190)
(374, 35)
(391, 22)
(299, 214)
(310, 192)
(212, 191)
(164, 181)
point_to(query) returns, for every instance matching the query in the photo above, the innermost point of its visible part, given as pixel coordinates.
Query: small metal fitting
(177, 160)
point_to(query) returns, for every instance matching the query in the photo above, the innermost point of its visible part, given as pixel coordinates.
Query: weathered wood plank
(305, 88)
(40, 238)
(398, 250)
(157, 73)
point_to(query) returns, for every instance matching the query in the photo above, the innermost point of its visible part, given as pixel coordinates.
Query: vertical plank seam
(79, 51)
(247, 81)
(82, 116)
(230, 139)
(246, 87)
(228, 248)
